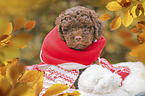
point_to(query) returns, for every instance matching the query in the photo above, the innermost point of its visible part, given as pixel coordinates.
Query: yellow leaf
(115, 24)
(29, 92)
(113, 6)
(30, 25)
(75, 93)
(9, 53)
(3, 70)
(133, 11)
(19, 22)
(37, 88)
(127, 19)
(5, 38)
(135, 30)
(34, 79)
(4, 84)
(55, 89)
(8, 29)
(21, 88)
(21, 40)
(65, 94)
(139, 52)
(30, 76)
(13, 72)
(119, 1)
(105, 17)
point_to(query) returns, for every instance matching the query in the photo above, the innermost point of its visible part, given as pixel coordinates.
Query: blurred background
(44, 12)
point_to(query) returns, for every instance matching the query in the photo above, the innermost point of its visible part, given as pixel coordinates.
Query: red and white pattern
(123, 71)
(54, 75)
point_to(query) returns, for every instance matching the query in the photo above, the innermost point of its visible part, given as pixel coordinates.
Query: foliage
(132, 8)
(15, 81)
(11, 42)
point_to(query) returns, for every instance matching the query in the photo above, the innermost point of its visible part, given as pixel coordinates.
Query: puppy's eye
(64, 29)
(85, 26)
(85, 32)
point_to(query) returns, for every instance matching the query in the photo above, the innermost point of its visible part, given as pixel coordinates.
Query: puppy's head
(79, 27)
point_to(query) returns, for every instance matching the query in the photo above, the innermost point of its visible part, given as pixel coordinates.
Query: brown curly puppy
(79, 27)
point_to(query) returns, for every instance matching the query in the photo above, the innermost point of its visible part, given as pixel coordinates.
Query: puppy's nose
(78, 38)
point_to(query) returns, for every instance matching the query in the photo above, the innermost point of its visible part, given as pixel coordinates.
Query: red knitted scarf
(55, 51)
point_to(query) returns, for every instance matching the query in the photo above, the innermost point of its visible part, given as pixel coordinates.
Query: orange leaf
(18, 23)
(105, 17)
(141, 37)
(130, 43)
(140, 26)
(124, 33)
(30, 25)
(115, 24)
(135, 30)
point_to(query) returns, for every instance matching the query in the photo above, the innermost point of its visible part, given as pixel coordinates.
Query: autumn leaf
(3, 70)
(135, 30)
(13, 61)
(113, 6)
(127, 19)
(133, 11)
(125, 3)
(30, 76)
(115, 24)
(130, 43)
(105, 17)
(21, 88)
(140, 26)
(139, 52)
(30, 25)
(4, 84)
(3, 37)
(55, 89)
(19, 22)
(29, 92)
(38, 88)
(8, 53)
(13, 72)
(124, 33)
(75, 93)
(139, 8)
(141, 37)
(21, 40)
(8, 29)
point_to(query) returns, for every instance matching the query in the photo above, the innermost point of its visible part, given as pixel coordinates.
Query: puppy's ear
(58, 24)
(60, 33)
(98, 24)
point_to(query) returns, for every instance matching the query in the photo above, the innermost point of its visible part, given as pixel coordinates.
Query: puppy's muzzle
(78, 38)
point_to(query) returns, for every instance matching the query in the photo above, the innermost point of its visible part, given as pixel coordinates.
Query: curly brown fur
(79, 27)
